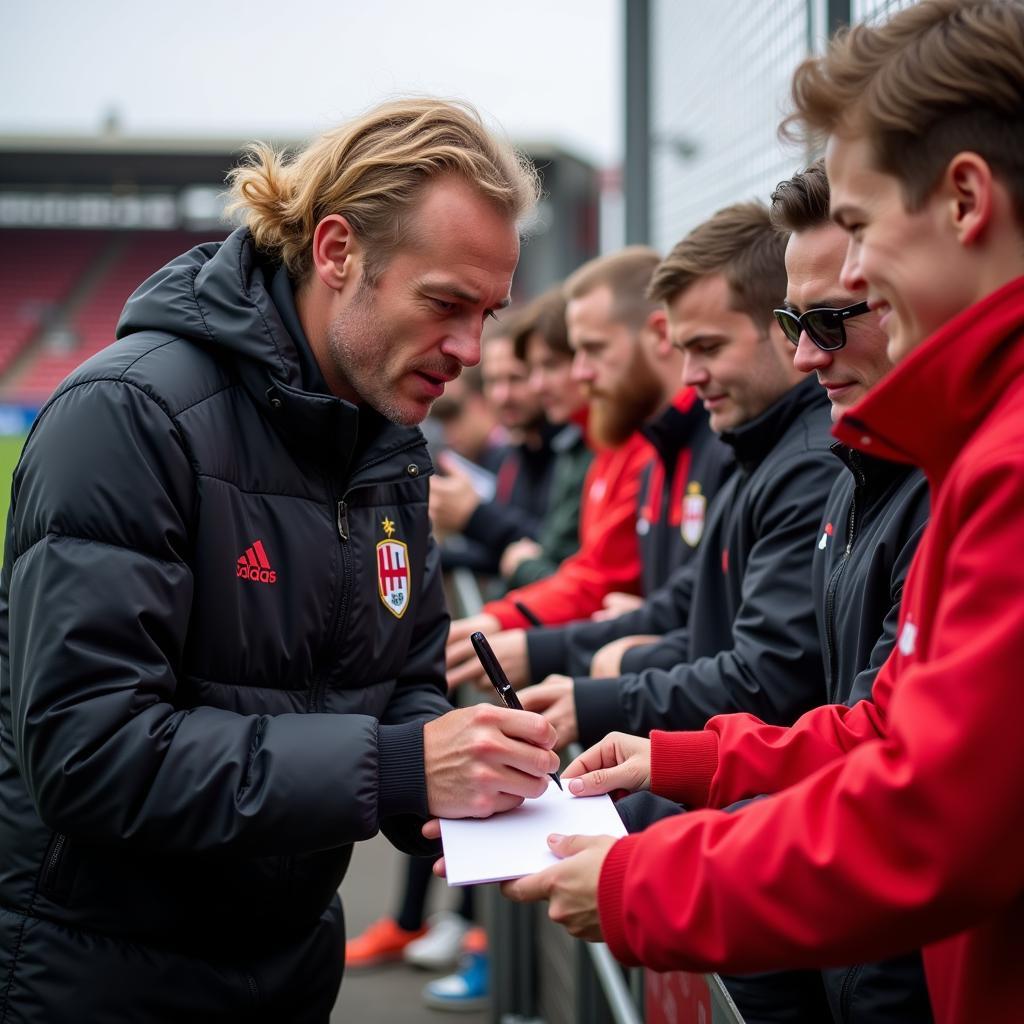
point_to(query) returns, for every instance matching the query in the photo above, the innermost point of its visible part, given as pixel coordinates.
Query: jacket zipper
(847, 989)
(343, 519)
(53, 861)
(344, 535)
(833, 585)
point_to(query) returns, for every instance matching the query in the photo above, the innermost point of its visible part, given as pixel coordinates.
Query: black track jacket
(690, 467)
(871, 528)
(221, 628)
(751, 641)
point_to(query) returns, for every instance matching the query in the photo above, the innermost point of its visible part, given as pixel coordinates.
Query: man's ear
(656, 326)
(969, 192)
(336, 252)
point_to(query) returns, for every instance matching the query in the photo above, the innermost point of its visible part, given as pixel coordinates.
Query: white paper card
(515, 843)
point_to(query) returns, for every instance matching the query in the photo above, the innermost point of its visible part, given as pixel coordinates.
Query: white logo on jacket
(908, 638)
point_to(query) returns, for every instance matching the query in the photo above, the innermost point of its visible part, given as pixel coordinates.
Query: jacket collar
(872, 474)
(926, 409)
(218, 296)
(673, 427)
(753, 440)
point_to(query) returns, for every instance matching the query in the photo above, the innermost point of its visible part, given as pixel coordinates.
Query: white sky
(545, 70)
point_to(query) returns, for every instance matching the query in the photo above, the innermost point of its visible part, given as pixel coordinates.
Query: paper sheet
(515, 843)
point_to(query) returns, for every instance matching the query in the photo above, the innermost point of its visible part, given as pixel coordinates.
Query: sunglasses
(825, 326)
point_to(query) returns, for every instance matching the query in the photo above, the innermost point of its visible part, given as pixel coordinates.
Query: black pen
(527, 614)
(499, 680)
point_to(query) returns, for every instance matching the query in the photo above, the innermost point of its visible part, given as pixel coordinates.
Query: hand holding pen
(484, 759)
(499, 680)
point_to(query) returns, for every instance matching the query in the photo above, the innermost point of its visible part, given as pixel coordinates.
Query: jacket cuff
(545, 652)
(598, 709)
(683, 765)
(610, 899)
(402, 776)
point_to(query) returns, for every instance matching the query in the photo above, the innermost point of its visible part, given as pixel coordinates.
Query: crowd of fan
(670, 533)
(749, 517)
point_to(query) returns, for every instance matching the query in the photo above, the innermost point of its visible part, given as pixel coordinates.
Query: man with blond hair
(894, 823)
(221, 604)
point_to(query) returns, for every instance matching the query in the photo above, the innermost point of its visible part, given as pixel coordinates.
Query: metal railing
(594, 988)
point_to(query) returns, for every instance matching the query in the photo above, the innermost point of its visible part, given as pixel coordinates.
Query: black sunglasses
(823, 326)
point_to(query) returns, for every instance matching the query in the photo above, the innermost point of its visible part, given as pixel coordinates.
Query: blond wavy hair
(371, 171)
(938, 78)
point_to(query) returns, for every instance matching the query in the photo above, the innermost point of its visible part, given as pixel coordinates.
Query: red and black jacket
(690, 466)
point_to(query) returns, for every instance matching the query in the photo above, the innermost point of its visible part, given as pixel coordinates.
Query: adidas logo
(255, 566)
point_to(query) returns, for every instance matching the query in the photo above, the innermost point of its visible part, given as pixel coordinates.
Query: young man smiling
(896, 822)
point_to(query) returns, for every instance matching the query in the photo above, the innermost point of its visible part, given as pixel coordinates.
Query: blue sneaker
(465, 990)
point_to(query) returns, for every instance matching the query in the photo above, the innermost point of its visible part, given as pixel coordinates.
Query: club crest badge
(694, 507)
(393, 571)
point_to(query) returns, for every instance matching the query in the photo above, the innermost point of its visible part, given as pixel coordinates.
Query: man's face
(507, 386)
(737, 369)
(396, 342)
(611, 365)
(814, 259)
(551, 380)
(909, 264)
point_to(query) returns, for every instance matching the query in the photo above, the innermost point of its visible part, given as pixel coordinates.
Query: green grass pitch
(10, 449)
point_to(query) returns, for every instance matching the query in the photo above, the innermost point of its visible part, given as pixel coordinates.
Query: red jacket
(895, 823)
(609, 556)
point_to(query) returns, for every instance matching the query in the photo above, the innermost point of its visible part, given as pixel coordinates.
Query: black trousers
(67, 976)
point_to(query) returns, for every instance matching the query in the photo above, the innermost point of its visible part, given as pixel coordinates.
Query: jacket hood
(925, 409)
(217, 295)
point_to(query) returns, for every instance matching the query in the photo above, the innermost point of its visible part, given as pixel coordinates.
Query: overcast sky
(545, 70)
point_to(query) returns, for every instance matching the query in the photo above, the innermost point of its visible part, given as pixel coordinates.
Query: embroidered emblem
(822, 544)
(694, 507)
(908, 638)
(254, 565)
(393, 571)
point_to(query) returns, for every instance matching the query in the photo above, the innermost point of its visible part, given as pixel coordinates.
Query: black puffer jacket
(206, 678)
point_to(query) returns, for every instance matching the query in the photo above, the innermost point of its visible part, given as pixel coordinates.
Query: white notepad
(515, 843)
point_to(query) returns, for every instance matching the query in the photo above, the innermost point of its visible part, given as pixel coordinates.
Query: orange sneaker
(475, 941)
(381, 943)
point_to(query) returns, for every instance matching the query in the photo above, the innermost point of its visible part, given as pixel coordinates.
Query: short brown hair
(801, 202)
(738, 242)
(627, 273)
(544, 316)
(940, 77)
(372, 171)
